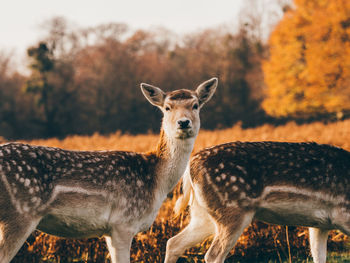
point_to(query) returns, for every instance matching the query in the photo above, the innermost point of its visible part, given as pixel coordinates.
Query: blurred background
(75, 67)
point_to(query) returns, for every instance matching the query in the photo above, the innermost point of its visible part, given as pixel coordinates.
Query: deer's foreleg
(119, 244)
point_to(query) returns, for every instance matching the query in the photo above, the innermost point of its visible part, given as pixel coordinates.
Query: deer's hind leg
(318, 244)
(200, 227)
(15, 227)
(228, 229)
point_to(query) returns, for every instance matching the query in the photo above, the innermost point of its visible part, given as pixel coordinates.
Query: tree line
(86, 80)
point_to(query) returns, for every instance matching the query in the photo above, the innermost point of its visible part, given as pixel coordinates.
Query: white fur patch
(335, 199)
(71, 189)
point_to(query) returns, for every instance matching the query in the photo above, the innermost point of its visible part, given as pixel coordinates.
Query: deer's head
(180, 107)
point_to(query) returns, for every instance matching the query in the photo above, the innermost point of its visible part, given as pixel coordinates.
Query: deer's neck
(173, 156)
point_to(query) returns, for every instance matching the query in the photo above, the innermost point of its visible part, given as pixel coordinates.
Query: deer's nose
(184, 123)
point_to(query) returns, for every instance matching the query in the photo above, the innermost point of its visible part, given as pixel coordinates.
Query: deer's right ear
(153, 94)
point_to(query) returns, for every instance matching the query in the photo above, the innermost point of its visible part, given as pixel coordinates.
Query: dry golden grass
(257, 241)
(336, 133)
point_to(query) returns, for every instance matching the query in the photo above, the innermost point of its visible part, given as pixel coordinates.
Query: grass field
(259, 243)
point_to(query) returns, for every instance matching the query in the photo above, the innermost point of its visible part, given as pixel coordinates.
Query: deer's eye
(167, 108)
(195, 106)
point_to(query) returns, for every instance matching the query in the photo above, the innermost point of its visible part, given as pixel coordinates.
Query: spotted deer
(297, 184)
(114, 194)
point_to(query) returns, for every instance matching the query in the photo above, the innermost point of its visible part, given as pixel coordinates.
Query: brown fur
(181, 95)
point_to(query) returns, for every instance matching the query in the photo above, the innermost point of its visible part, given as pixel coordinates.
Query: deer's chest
(151, 216)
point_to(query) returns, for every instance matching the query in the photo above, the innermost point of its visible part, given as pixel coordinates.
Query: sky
(21, 20)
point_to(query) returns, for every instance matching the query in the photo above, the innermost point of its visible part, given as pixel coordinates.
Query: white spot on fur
(123, 201)
(25, 208)
(139, 183)
(33, 155)
(233, 179)
(26, 182)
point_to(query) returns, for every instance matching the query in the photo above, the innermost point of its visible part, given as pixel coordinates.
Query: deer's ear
(206, 90)
(153, 94)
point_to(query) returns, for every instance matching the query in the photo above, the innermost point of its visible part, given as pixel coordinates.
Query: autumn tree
(52, 85)
(38, 84)
(51, 81)
(16, 110)
(308, 71)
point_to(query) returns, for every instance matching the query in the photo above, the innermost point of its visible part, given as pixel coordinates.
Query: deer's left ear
(153, 94)
(206, 90)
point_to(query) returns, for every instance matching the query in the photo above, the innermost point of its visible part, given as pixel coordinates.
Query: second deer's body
(299, 184)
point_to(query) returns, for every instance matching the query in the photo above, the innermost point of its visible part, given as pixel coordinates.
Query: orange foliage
(309, 66)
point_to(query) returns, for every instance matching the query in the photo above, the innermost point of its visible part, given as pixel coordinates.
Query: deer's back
(31, 174)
